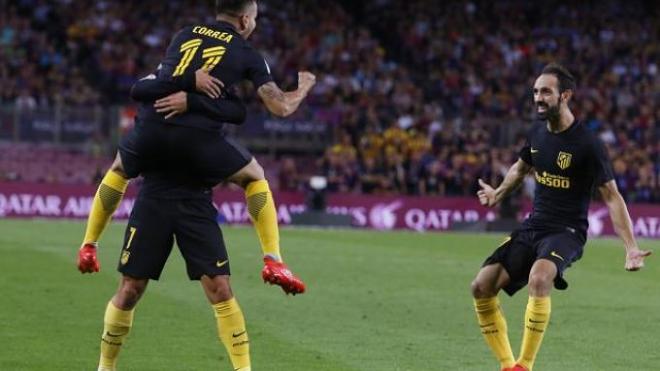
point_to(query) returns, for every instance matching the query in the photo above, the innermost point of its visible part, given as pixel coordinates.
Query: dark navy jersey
(222, 51)
(567, 167)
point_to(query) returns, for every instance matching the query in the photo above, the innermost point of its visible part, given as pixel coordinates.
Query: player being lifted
(222, 49)
(568, 161)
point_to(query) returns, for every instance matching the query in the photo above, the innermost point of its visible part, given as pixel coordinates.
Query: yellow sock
(107, 198)
(232, 333)
(537, 317)
(494, 329)
(117, 324)
(264, 217)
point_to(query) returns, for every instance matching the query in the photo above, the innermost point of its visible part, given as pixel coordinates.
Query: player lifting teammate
(220, 48)
(568, 161)
(180, 163)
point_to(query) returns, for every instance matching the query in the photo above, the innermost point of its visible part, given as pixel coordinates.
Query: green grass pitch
(375, 301)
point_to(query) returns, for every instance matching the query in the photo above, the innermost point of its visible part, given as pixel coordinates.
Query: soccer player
(222, 49)
(169, 208)
(568, 162)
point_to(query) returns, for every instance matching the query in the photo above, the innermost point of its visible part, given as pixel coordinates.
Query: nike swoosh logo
(556, 256)
(221, 263)
(239, 334)
(112, 335)
(532, 321)
(533, 150)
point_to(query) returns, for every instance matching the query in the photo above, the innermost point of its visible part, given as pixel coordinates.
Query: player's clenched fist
(87, 262)
(486, 194)
(306, 80)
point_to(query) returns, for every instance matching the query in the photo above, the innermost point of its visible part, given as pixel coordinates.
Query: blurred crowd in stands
(420, 97)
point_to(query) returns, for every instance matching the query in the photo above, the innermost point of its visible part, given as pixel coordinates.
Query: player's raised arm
(489, 196)
(281, 103)
(623, 225)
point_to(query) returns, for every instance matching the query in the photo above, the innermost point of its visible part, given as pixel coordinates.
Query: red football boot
(87, 261)
(518, 367)
(277, 273)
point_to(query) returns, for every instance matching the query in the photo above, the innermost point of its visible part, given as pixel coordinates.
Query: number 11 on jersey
(211, 56)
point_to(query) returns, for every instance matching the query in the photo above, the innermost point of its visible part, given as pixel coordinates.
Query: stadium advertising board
(19, 200)
(300, 123)
(67, 125)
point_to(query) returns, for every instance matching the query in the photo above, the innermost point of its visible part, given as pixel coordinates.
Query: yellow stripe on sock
(115, 181)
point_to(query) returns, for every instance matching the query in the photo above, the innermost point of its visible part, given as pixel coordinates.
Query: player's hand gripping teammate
(177, 103)
(174, 104)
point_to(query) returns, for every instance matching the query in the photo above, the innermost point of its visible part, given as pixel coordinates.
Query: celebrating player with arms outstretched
(568, 162)
(158, 144)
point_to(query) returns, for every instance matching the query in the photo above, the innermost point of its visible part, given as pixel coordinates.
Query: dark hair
(232, 7)
(565, 78)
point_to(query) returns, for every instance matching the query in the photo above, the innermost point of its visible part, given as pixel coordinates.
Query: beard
(551, 113)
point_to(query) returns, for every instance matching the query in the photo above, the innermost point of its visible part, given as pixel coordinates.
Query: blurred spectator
(289, 178)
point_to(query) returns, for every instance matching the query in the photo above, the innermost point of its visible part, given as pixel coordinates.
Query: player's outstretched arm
(623, 225)
(281, 103)
(230, 109)
(489, 196)
(152, 87)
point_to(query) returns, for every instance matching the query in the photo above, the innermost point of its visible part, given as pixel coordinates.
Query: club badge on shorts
(124, 257)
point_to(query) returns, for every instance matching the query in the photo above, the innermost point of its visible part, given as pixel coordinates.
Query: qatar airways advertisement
(420, 214)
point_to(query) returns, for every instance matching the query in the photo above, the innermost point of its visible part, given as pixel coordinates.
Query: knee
(129, 294)
(250, 173)
(482, 290)
(217, 289)
(257, 171)
(118, 166)
(540, 283)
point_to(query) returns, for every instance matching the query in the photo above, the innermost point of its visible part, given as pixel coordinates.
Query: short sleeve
(601, 165)
(258, 70)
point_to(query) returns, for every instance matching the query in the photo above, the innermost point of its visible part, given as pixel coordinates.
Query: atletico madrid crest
(564, 160)
(125, 255)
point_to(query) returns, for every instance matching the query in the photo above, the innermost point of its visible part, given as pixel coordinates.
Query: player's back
(218, 48)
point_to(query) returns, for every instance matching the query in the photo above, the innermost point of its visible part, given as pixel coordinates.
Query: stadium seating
(416, 97)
